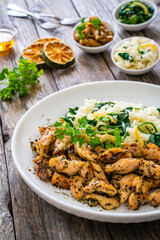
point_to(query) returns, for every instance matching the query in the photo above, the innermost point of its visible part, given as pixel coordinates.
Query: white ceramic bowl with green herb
(132, 71)
(134, 27)
(98, 49)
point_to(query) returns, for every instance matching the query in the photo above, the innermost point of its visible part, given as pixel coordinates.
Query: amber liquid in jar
(6, 41)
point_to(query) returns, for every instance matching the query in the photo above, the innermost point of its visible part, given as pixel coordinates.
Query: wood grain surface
(23, 215)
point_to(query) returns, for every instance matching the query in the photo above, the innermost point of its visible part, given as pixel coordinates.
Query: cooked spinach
(126, 56)
(155, 139)
(100, 105)
(135, 12)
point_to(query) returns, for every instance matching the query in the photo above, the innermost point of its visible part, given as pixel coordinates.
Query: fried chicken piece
(43, 129)
(141, 192)
(152, 152)
(73, 156)
(90, 42)
(114, 154)
(124, 185)
(68, 167)
(106, 203)
(86, 172)
(76, 187)
(149, 169)
(141, 186)
(154, 198)
(98, 172)
(63, 145)
(123, 166)
(60, 181)
(45, 142)
(99, 150)
(86, 152)
(43, 170)
(135, 149)
(100, 186)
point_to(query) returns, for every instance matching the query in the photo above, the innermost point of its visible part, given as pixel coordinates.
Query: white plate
(56, 105)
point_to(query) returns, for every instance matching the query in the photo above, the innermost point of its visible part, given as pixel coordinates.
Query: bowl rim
(99, 47)
(9, 27)
(135, 70)
(135, 25)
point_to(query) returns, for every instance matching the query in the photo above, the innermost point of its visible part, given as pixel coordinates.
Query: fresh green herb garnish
(82, 20)
(79, 29)
(73, 111)
(158, 109)
(19, 79)
(126, 56)
(96, 22)
(141, 52)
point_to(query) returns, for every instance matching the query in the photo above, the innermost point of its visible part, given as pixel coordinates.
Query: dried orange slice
(58, 55)
(46, 40)
(33, 53)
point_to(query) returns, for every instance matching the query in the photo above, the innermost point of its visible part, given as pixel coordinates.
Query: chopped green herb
(141, 52)
(126, 56)
(19, 79)
(79, 29)
(96, 22)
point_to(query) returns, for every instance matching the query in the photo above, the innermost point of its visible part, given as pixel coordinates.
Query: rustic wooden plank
(104, 10)
(33, 217)
(6, 220)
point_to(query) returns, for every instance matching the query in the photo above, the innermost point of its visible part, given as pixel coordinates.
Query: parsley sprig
(19, 79)
(84, 132)
(95, 22)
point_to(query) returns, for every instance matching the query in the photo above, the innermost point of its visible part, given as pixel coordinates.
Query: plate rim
(99, 216)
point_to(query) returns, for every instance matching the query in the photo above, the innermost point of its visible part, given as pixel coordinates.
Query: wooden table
(23, 215)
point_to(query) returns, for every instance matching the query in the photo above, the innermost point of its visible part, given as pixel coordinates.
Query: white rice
(132, 46)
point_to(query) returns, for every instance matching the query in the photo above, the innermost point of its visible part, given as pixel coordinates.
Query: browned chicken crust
(106, 177)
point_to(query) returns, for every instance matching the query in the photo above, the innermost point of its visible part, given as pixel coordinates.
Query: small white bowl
(99, 49)
(134, 71)
(134, 27)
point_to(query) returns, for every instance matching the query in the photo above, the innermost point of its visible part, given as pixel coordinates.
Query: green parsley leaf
(19, 79)
(96, 22)
(79, 29)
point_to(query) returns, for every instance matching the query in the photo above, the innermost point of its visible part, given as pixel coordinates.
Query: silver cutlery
(13, 8)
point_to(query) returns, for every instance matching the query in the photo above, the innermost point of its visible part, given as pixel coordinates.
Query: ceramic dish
(134, 27)
(134, 71)
(27, 129)
(99, 49)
